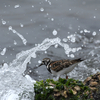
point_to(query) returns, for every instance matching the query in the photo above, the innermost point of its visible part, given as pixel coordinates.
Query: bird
(60, 67)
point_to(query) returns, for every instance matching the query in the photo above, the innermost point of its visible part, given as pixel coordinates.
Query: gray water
(67, 29)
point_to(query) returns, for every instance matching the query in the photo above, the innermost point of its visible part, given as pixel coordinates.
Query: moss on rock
(61, 90)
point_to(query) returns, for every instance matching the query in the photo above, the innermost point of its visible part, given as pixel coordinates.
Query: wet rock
(99, 77)
(51, 84)
(93, 83)
(93, 89)
(92, 80)
(55, 90)
(64, 94)
(65, 87)
(70, 89)
(51, 87)
(87, 81)
(95, 76)
(77, 88)
(87, 92)
(96, 94)
(74, 92)
(91, 97)
(57, 94)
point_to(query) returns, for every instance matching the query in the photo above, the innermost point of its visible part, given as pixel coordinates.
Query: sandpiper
(60, 67)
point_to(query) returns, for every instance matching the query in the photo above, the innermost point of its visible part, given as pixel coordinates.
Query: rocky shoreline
(93, 82)
(70, 89)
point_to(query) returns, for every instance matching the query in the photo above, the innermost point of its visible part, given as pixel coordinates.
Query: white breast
(64, 70)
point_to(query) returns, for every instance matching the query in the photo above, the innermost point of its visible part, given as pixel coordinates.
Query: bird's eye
(43, 61)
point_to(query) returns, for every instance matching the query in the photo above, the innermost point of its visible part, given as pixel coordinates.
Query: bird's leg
(66, 77)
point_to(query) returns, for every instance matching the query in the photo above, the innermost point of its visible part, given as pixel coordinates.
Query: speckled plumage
(60, 67)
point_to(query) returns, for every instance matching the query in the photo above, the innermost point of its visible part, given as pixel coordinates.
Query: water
(33, 30)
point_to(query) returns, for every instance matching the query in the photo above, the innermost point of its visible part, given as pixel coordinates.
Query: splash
(13, 85)
(3, 22)
(14, 31)
(25, 56)
(3, 51)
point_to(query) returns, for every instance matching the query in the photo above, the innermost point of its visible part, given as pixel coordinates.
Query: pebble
(51, 84)
(99, 77)
(64, 94)
(77, 88)
(56, 90)
(93, 83)
(87, 92)
(57, 94)
(51, 87)
(88, 79)
(74, 92)
(93, 88)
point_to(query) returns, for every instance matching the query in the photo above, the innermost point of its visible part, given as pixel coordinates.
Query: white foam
(41, 9)
(16, 6)
(14, 31)
(30, 79)
(3, 51)
(12, 73)
(3, 22)
(10, 95)
(54, 32)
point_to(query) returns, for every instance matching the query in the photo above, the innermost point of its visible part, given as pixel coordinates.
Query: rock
(93, 83)
(92, 80)
(56, 90)
(64, 94)
(87, 92)
(74, 92)
(57, 94)
(99, 77)
(65, 87)
(91, 97)
(51, 84)
(98, 73)
(51, 87)
(87, 80)
(95, 75)
(93, 88)
(77, 88)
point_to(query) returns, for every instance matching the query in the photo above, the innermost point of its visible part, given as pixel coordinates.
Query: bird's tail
(78, 60)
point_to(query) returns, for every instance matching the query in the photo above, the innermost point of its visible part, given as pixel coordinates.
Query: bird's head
(45, 61)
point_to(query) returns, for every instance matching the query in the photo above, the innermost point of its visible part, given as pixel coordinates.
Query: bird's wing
(59, 65)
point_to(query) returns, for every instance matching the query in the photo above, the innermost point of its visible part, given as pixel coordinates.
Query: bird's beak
(41, 64)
